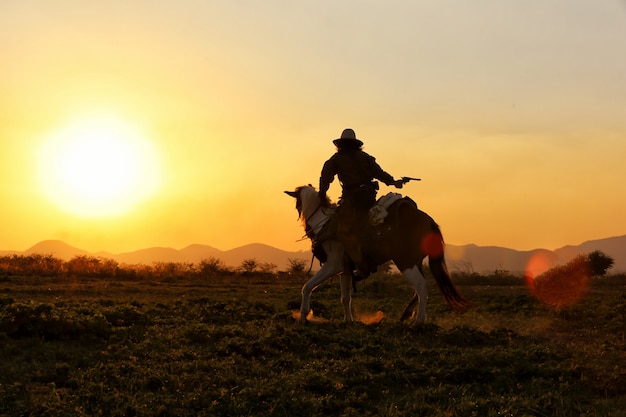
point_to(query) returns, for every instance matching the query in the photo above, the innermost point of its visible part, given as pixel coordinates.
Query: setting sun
(97, 167)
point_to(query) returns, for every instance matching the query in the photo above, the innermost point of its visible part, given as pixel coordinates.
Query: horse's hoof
(407, 314)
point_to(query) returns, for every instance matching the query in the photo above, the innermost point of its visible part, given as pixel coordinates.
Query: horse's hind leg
(408, 310)
(417, 280)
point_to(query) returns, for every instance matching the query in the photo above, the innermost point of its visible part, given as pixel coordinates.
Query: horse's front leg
(307, 289)
(333, 265)
(345, 281)
(326, 271)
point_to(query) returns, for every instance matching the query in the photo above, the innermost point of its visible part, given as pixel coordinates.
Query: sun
(98, 167)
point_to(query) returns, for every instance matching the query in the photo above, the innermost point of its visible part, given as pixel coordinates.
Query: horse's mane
(299, 190)
(329, 202)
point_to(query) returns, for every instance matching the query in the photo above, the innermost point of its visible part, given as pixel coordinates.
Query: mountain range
(465, 258)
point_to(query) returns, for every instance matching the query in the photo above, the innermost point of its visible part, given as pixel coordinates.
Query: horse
(407, 236)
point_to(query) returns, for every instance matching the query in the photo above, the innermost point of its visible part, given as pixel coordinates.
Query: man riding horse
(356, 171)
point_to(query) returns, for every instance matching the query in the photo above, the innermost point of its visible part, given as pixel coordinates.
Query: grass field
(229, 346)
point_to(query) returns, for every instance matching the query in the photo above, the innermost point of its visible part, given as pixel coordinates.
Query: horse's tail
(437, 264)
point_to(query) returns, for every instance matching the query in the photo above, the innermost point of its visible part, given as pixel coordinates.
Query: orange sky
(511, 112)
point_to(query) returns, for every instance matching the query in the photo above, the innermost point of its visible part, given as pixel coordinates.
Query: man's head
(348, 140)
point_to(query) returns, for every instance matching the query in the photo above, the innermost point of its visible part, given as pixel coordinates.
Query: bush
(249, 266)
(599, 263)
(296, 266)
(211, 267)
(35, 264)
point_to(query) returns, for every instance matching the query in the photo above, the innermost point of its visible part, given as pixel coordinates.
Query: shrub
(296, 266)
(35, 264)
(599, 263)
(173, 269)
(211, 267)
(249, 266)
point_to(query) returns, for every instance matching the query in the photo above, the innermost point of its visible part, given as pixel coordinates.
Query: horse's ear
(294, 194)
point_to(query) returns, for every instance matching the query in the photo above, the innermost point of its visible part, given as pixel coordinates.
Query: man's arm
(384, 176)
(381, 174)
(327, 176)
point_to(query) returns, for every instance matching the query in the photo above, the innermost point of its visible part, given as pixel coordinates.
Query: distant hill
(615, 247)
(466, 258)
(57, 248)
(489, 258)
(472, 258)
(196, 253)
(192, 253)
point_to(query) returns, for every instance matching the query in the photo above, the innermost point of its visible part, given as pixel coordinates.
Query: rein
(308, 229)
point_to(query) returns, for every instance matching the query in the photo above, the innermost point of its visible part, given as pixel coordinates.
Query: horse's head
(307, 200)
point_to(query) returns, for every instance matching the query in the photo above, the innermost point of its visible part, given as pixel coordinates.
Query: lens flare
(539, 263)
(432, 245)
(564, 285)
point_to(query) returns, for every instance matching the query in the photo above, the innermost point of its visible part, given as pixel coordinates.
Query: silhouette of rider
(356, 171)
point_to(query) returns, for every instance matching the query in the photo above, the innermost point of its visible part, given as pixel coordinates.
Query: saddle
(373, 232)
(378, 213)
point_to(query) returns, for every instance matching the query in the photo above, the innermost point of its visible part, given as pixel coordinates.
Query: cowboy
(356, 171)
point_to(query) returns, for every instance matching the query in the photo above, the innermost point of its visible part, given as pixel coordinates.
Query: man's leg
(350, 233)
(354, 254)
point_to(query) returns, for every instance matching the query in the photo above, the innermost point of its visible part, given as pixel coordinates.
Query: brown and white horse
(407, 236)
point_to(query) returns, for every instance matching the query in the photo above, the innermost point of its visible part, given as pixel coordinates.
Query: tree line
(98, 267)
(597, 264)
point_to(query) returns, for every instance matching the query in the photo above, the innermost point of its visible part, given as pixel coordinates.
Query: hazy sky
(512, 112)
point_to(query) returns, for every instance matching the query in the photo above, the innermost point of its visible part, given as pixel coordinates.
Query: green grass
(230, 347)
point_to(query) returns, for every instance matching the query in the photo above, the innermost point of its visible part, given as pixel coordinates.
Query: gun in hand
(407, 179)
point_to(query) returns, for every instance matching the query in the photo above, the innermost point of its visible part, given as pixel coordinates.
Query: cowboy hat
(347, 137)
